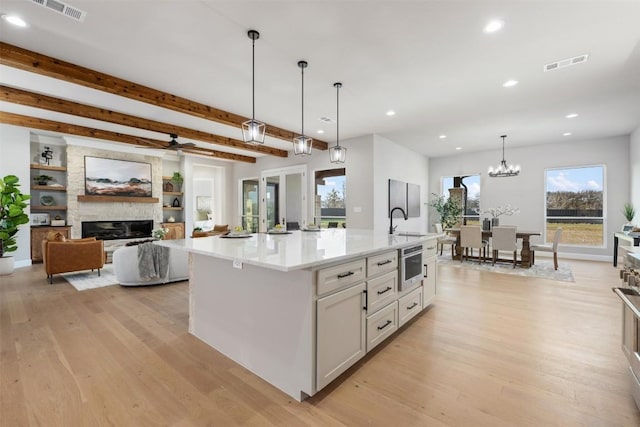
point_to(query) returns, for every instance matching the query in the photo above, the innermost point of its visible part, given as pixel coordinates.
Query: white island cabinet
(299, 309)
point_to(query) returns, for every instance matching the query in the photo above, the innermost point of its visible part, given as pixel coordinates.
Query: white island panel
(262, 319)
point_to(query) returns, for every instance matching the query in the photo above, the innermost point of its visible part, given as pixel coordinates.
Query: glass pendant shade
(503, 169)
(302, 144)
(337, 154)
(253, 131)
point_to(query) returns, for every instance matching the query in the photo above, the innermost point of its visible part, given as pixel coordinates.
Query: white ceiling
(428, 60)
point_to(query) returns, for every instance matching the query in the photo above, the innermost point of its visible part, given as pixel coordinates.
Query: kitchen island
(298, 309)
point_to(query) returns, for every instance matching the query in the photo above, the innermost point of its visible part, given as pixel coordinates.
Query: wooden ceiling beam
(54, 126)
(31, 99)
(34, 62)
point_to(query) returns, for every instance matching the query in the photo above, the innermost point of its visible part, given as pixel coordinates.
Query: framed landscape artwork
(111, 177)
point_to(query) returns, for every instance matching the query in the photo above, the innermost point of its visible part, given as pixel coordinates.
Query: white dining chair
(504, 239)
(471, 238)
(548, 248)
(445, 240)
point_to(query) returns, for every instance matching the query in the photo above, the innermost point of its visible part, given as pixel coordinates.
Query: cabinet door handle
(384, 262)
(426, 270)
(386, 290)
(387, 323)
(364, 297)
(347, 274)
(430, 248)
(412, 306)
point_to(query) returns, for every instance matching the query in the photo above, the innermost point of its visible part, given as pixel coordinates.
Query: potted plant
(42, 179)
(177, 178)
(629, 212)
(448, 209)
(12, 215)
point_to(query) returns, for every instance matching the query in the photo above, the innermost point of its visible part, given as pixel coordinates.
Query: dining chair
(293, 225)
(445, 240)
(548, 248)
(332, 224)
(504, 239)
(471, 238)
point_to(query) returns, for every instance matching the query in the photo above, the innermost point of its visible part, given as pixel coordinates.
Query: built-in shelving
(48, 188)
(171, 208)
(48, 168)
(172, 193)
(48, 208)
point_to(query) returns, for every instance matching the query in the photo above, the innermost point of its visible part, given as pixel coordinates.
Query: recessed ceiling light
(443, 136)
(571, 116)
(566, 134)
(320, 131)
(510, 83)
(493, 26)
(391, 113)
(458, 148)
(15, 20)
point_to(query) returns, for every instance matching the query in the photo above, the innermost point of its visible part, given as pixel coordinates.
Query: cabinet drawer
(382, 324)
(429, 249)
(381, 291)
(333, 278)
(382, 263)
(409, 305)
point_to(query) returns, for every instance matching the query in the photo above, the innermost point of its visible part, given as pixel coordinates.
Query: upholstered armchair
(72, 255)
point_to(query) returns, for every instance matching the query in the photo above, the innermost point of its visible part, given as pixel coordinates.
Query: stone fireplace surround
(79, 212)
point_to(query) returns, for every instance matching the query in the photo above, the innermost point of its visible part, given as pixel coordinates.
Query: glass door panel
(250, 205)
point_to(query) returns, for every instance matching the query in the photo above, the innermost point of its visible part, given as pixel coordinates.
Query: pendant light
(337, 154)
(253, 130)
(302, 143)
(504, 170)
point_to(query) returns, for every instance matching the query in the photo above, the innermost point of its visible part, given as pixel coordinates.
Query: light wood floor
(494, 350)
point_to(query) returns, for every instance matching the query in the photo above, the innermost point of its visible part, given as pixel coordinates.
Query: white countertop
(298, 250)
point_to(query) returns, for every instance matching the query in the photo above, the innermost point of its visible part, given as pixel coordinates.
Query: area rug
(83, 280)
(543, 269)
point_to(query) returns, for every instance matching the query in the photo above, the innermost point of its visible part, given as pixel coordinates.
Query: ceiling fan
(173, 144)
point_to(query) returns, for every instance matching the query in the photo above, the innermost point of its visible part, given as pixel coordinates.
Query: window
(575, 202)
(472, 183)
(250, 205)
(330, 196)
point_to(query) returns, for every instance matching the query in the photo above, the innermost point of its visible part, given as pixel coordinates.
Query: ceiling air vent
(63, 9)
(327, 119)
(566, 62)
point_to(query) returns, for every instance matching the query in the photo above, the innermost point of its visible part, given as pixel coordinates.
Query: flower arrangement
(160, 233)
(502, 210)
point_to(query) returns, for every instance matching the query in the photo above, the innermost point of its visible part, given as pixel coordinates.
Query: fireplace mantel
(114, 199)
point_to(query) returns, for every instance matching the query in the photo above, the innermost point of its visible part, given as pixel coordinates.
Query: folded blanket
(153, 261)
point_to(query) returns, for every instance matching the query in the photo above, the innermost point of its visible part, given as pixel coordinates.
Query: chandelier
(504, 170)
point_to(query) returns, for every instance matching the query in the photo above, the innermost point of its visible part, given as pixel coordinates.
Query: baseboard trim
(24, 263)
(582, 257)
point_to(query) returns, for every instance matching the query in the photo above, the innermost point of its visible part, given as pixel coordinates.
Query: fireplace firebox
(112, 230)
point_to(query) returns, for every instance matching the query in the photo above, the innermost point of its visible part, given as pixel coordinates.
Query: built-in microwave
(410, 266)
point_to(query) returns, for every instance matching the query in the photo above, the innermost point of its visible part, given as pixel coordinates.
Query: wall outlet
(357, 209)
(237, 264)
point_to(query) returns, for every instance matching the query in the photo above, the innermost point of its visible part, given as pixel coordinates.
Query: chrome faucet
(391, 227)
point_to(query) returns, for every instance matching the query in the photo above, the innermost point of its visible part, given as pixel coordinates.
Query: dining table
(526, 260)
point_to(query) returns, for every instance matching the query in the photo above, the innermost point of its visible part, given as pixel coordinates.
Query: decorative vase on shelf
(176, 203)
(495, 222)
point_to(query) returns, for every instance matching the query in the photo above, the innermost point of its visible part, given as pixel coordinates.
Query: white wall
(393, 161)
(634, 169)
(526, 191)
(15, 160)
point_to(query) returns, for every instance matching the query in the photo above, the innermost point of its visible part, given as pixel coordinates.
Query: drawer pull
(426, 270)
(347, 274)
(381, 263)
(387, 323)
(386, 290)
(412, 306)
(430, 248)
